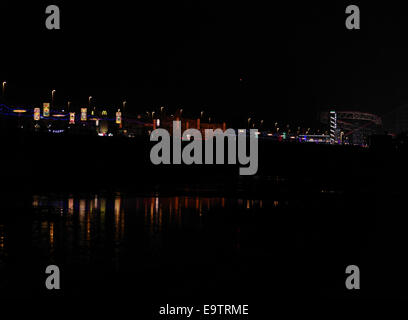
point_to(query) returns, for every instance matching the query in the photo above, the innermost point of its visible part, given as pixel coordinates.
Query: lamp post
(52, 98)
(123, 111)
(4, 88)
(161, 113)
(89, 105)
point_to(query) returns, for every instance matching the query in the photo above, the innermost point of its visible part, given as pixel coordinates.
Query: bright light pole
(52, 97)
(4, 88)
(161, 113)
(89, 105)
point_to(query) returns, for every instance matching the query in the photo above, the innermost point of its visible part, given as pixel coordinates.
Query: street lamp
(124, 105)
(249, 120)
(161, 112)
(4, 88)
(89, 105)
(52, 97)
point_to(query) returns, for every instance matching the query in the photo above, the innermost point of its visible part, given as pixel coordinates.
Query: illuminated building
(333, 127)
(186, 123)
(351, 127)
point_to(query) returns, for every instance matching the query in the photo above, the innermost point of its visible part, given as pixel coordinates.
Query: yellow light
(118, 117)
(37, 113)
(72, 117)
(83, 114)
(46, 109)
(58, 115)
(19, 110)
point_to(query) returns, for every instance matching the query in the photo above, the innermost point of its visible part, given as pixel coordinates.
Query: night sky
(232, 60)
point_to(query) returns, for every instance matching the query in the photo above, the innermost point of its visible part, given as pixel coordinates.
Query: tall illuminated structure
(333, 127)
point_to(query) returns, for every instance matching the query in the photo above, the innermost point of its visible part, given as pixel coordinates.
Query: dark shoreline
(45, 159)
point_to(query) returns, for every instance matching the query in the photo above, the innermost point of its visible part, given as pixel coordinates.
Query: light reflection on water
(82, 228)
(2, 237)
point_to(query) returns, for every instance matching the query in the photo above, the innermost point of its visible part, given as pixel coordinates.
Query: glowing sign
(72, 117)
(46, 109)
(19, 110)
(37, 112)
(118, 117)
(83, 114)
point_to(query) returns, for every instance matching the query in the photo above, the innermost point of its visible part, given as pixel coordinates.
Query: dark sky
(294, 60)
